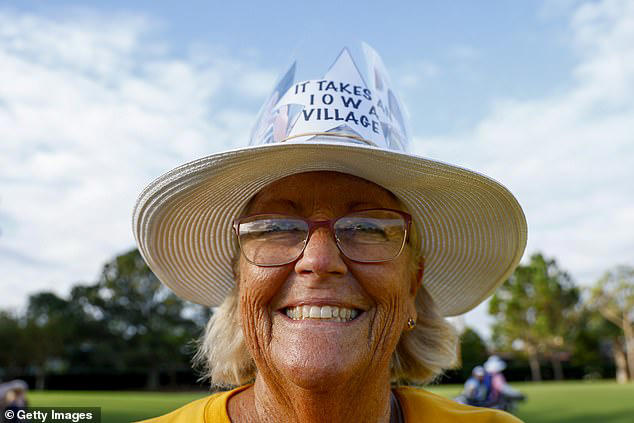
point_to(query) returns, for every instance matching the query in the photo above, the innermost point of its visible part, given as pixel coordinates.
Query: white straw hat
(472, 230)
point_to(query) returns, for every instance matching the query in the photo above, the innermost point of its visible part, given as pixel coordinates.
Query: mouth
(330, 313)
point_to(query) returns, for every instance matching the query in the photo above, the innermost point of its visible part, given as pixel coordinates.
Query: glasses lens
(270, 240)
(372, 235)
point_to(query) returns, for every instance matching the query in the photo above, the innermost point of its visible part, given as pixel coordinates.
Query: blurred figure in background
(500, 394)
(13, 397)
(475, 391)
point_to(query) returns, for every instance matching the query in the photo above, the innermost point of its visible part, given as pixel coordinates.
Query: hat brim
(471, 228)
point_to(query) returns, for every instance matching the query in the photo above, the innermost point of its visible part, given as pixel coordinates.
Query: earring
(411, 324)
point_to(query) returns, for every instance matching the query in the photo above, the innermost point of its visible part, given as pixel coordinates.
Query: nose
(321, 255)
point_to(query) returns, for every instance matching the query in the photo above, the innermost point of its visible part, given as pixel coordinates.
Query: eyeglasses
(366, 236)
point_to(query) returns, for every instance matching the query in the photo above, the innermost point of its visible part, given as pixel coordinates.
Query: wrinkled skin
(312, 370)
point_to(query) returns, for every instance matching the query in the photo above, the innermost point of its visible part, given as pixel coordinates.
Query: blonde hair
(420, 355)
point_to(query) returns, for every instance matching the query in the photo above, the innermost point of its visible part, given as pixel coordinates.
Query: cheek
(257, 287)
(387, 285)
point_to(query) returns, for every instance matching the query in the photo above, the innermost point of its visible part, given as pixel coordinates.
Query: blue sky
(480, 51)
(97, 99)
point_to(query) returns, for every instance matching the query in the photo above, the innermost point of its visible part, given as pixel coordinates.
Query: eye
(273, 229)
(266, 226)
(368, 227)
(282, 231)
(270, 240)
(361, 230)
(275, 226)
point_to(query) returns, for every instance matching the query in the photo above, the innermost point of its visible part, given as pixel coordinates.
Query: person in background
(499, 391)
(475, 391)
(13, 397)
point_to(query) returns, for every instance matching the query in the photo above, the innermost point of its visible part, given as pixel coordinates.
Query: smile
(327, 312)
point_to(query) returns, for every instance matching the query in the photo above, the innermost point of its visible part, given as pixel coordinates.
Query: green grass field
(578, 402)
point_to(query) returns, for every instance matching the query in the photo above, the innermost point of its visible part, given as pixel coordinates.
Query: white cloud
(413, 74)
(568, 157)
(550, 9)
(90, 111)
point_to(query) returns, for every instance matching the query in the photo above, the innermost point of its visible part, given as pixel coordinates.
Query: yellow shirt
(418, 406)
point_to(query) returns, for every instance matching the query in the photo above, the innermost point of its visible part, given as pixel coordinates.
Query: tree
(534, 310)
(596, 343)
(43, 333)
(10, 334)
(125, 322)
(38, 338)
(153, 327)
(613, 297)
(473, 351)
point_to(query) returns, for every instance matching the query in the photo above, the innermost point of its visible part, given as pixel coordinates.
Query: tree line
(542, 315)
(127, 322)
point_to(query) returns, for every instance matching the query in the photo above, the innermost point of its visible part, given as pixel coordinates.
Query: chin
(319, 370)
(318, 378)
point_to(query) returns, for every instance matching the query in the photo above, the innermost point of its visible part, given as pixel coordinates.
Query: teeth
(315, 313)
(324, 313)
(333, 313)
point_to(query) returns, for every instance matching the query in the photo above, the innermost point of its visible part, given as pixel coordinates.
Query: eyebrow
(273, 202)
(364, 203)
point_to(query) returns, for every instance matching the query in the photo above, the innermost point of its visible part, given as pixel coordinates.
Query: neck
(361, 400)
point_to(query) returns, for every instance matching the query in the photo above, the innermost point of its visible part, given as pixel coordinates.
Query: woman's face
(314, 353)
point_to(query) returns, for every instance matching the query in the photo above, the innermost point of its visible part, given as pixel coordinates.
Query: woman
(333, 256)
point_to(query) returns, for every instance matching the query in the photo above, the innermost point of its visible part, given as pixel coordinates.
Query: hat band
(329, 134)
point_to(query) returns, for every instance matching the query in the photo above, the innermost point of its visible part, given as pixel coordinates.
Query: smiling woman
(334, 256)
(335, 194)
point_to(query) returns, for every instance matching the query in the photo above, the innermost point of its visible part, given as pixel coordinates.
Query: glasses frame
(316, 224)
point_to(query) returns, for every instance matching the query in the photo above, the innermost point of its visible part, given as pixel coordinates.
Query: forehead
(323, 189)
